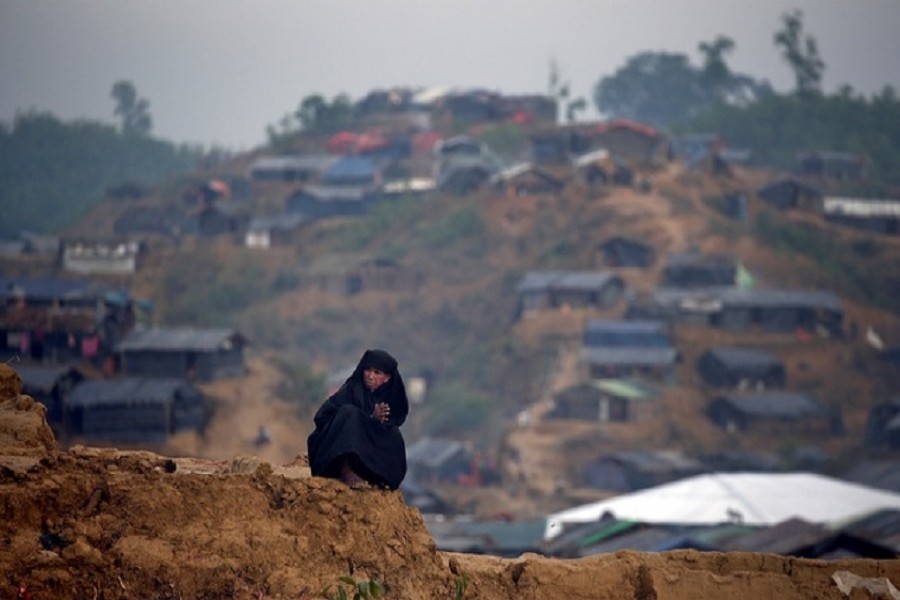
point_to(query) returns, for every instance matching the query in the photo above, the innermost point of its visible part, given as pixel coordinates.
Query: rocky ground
(91, 522)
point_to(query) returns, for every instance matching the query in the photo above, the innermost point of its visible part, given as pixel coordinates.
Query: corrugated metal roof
(337, 193)
(733, 356)
(882, 526)
(203, 340)
(47, 289)
(700, 259)
(42, 377)
(535, 281)
(130, 390)
(294, 163)
(643, 356)
(432, 452)
(635, 326)
(862, 207)
(655, 460)
(882, 474)
(784, 405)
(281, 222)
(782, 538)
(351, 167)
(781, 298)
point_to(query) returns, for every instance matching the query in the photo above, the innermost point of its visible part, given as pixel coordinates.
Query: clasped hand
(381, 412)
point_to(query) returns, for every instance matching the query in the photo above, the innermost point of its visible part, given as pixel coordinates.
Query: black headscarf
(392, 391)
(344, 425)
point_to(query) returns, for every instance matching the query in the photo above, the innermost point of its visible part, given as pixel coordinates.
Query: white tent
(750, 498)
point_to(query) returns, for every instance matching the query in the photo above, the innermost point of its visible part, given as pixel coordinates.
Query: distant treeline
(778, 127)
(52, 172)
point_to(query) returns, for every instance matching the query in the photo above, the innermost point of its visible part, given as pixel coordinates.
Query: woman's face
(374, 379)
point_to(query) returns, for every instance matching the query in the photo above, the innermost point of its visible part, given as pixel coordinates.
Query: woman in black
(357, 436)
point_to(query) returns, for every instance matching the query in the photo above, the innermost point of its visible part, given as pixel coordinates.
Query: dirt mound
(105, 523)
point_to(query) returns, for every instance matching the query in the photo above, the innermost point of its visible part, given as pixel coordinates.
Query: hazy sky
(220, 71)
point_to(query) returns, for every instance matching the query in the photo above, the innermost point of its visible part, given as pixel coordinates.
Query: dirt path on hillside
(243, 405)
(535, 457)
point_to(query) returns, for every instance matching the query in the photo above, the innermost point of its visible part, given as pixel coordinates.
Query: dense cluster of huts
(83, 350)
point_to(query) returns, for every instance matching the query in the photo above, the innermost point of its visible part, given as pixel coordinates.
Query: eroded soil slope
(104, 523)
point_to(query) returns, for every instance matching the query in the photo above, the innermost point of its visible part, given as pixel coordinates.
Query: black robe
(345, 429)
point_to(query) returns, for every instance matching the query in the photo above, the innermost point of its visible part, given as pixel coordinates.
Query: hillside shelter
(220, 218)
(624, 251)
(190, 353)
(601, 400)
(631, 470)
(829, 164)
(101, 257)
(160, 220)
(741, 368)
(266, 231)
(546, 290)
(353, 171)
(742, 309)
(787, 193)
(62, 320)
(623, 348)
(798, 537)
(600, 167)
(696, 269)
(770, 410)
(869, 214)
(526, 179)
(290, 168)
(631, 141)
(51, 385)
(779, 310)
(323, 201)
(463, 175)
(134, 409)
(883, 425)
(436, 460)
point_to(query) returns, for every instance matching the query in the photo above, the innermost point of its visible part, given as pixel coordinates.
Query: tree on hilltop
(134, 112)
(801, 53)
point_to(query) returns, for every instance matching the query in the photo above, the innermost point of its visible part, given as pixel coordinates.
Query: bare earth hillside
(103, 523)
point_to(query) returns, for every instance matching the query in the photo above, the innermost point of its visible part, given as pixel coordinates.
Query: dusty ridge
(104, 523)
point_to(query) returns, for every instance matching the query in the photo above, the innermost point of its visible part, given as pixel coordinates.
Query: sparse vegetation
(844, 268)
(300, 385)
(461, 585)
(360, 590)
(456, 408)
(462, 224)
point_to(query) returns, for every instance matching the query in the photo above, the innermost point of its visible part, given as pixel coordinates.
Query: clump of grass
(361, 590)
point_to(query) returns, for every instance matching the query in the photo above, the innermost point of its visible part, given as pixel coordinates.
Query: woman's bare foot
(350, 478)
(353, 480)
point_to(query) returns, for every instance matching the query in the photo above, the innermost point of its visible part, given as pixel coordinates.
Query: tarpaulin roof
(187, 338)
(751, 498)
(343, 142)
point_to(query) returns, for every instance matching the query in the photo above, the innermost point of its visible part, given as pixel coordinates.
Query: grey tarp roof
(188, 338)
(47, 289)
(638, 356)
(534, 281)
(432, 452)
(130, 390)
(42, 377)
(789, 405)
(733, 356)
